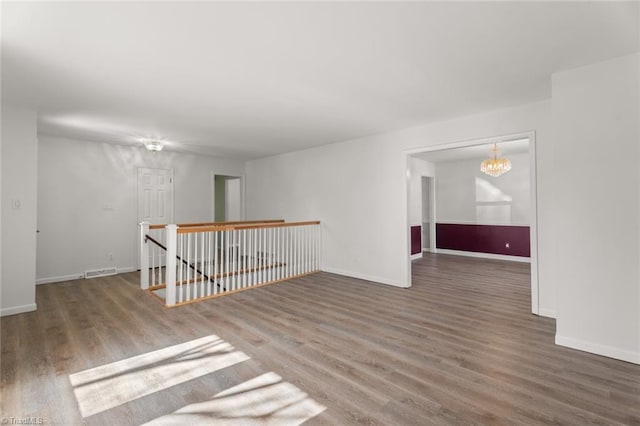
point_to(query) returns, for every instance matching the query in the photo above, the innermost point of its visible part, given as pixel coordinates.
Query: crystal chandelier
(153, 145)
(495, 166)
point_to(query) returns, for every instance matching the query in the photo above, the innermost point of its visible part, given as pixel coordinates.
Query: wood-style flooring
(459, 347)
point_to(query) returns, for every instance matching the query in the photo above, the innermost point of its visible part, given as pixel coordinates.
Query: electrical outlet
(110, 256)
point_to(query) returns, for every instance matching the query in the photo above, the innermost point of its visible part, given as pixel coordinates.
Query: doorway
(228, 202)
(484, 206)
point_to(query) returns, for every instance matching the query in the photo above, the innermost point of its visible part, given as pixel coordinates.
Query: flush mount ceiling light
(495, 166)
(153, 145)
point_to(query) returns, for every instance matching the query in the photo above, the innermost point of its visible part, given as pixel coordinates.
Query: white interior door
(155, 200)
(155, 196)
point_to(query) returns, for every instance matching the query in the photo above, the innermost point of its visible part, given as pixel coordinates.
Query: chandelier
(153, 145)
(495, 166)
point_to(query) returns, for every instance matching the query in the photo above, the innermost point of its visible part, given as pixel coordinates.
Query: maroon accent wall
(484, 238)
(416, 239)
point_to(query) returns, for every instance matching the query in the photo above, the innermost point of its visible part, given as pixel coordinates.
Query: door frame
(138, 220)
(533, 199)
(432, 209)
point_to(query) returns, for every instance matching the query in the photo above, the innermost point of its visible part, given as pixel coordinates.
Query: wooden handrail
(239, 222)
(248, 226)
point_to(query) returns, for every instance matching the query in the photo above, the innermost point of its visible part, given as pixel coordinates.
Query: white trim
(471, 142)
(598, 349)
(407, 226)
(462, 222)
(549, 313)
(533, 225)
(416, 256)
(78, 276)
(484, 255)
(13, 310)
(363, 277)
(59, 279)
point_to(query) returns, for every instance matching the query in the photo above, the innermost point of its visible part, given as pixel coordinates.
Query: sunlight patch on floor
(108, 386)
(266, 399)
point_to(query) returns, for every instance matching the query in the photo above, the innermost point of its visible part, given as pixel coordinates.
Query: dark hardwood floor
(459, 347)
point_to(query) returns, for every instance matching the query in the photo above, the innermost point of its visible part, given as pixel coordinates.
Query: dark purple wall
(416, 239)
(483, 238)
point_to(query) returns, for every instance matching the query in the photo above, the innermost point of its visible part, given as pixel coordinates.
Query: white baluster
(228, 254)
(261, 254)
(316, 254)
(209, 260)
(303, 231)
(303, 249)
(234, 259)
(170, 290)
(278, 232)
(203, 263)
(244, 257)
(189, 270)
(144, 255)
(307, 232)
(198, 265)
(296, 245)
(270, 252)
(236, 254)
(181, 268)
(319, 242)
(287, 253)
(252, 257)
(216, 261)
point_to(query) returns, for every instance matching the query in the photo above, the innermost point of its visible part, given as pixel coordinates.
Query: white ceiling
(246, 80)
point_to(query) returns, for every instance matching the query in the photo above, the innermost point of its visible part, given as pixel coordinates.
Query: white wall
(75, 180)
(358, 189)
(418, 169)
(596, 118)
(19, 185)
(466, 195)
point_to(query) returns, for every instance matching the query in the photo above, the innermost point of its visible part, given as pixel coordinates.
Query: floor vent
(100, 273)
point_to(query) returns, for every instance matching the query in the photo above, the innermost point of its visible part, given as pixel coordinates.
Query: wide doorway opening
(476, 199)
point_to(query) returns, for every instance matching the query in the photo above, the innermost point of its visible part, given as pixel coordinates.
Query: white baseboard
(13, 310)
(78, 276)
(484, 255)
(59, 279)
(549, 313)
(363, 277)
(416, 256)
(598, 349)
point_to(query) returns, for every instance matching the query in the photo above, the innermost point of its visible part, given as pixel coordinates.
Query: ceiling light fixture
(153, 145)
(495, 166)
